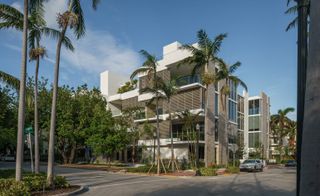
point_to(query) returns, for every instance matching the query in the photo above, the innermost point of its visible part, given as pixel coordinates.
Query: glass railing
(185, 80)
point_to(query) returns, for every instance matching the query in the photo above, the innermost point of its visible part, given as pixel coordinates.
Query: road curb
(82, 189)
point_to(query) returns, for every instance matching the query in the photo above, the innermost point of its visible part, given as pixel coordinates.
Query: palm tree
(203, 58)
(189, 119)
(149, 67)
(22, 91)
(169, 89)
(13, 18)
(280, 126)
(74, 19)
(9, 80)
(293, 10)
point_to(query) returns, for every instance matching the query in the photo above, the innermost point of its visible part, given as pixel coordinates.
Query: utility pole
(301, 82)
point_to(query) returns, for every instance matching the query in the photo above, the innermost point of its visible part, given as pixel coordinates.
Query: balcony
(186, 80)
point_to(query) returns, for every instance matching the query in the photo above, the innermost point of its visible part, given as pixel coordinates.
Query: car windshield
(249, 161)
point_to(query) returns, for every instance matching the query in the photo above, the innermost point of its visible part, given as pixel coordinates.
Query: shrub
(208, 171)
(232, 170)
(9, 187)
(35, 182)
(60, 182)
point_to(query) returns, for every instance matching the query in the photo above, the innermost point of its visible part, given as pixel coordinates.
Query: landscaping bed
(32, 184)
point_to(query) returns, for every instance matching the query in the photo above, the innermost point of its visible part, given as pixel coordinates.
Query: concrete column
(310, 149)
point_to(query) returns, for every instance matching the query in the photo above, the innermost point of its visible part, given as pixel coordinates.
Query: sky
(119, 29)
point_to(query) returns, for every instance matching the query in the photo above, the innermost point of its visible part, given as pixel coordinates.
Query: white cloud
(100, 51)
(53, 7)
(17, 5)
(13, 47)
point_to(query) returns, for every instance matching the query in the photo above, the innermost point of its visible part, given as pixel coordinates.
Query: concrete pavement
(271, 182)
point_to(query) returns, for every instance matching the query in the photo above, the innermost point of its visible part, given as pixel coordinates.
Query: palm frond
(238, 81)
(292, 10)
(292, 24)
(17, 24)
(203, 40)
(140, 70)
(288, 110)
(34, 37)
(55, 34)
(10, 80)
(79, 28)
(95, 4)
(234, 67)
(216, 44)
(8, 12)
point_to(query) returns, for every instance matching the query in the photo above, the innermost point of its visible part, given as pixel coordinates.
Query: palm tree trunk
(209, 121)
(310, 146)
(158, 137)
(53, 110)
(171, 136)
(22, 94)
(36, 117)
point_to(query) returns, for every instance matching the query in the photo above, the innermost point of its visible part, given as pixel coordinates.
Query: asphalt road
(271, 182)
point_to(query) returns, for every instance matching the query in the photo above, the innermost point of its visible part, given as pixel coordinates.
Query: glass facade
(254, 140)
(179, 131)
(254, 123)
(232, 102)
(216, 104)
(254, 107)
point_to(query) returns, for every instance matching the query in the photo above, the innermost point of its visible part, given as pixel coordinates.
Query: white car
(251, 165)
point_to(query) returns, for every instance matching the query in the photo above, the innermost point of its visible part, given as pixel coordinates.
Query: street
(271, 182)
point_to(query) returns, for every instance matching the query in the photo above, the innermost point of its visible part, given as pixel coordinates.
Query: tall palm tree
(280, 126)
(225, 75)
(203, 58)
(149, 67)
(310, 146)
(13, 18)
(169, 89)
(74, 19)
(294, 10)
(22, 91)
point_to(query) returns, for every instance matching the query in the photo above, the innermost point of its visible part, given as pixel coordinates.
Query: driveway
(271, 182)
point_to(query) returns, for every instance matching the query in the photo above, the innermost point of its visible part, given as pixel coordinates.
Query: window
(240, 121)
(254, 107)
(254, 123)
(232, 111)
(233, 91)
(254, 140)
(189, 79)
(240, 104)
(216, 124)
(216, 104)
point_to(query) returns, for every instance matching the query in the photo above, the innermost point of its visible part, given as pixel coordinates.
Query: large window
(233, 91)
(181, 132)
(232, 111)
(254, 123)
(254, 140)
(254, 107)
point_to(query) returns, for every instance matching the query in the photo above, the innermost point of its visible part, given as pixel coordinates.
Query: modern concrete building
(190, 97)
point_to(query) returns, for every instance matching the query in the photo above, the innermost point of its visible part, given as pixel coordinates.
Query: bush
(9, 187)
(232, 170)
(208, 171)
(35, 182)
(60, 182)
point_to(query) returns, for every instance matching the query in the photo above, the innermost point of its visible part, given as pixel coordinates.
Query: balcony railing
(185, 80)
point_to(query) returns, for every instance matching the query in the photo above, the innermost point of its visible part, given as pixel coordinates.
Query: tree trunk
(50, 172)
(223, 132)
(36, 118)
(209, 121)
(171, 136)
(158, 137)
(133, 151)
(310, 159)
(72, 153)
(22, 94)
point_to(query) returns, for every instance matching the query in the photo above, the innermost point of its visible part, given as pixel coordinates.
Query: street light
(197, 150)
